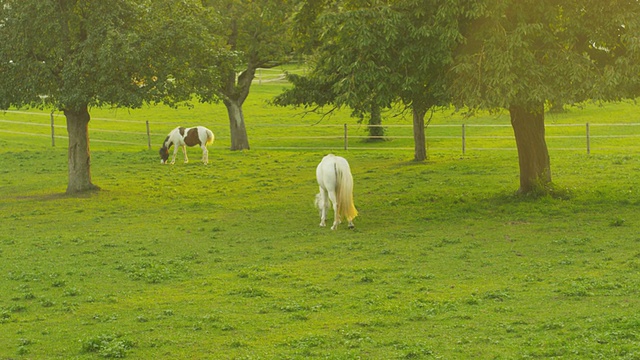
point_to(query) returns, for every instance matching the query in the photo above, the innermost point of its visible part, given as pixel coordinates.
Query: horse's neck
(174, 139)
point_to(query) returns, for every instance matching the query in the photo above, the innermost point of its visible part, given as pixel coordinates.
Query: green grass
(227, 261)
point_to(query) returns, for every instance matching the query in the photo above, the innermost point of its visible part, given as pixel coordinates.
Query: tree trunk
(239, 138)
(376, 131)
(235, 92)
(418, 133)
(533, 155)
(79, 154)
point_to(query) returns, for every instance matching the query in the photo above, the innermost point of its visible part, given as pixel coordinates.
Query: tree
(373, 54)
(323, 87)
(82, 54)
(431, 31)
(520, 55)
(258, 33)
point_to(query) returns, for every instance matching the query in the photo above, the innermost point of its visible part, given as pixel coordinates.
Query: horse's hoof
(351, 226)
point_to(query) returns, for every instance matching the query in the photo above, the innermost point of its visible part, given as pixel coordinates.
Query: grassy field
(227, 261)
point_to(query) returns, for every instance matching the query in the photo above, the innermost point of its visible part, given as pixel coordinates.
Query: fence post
(148, 135)
(346, 137)
(464, 138)
(588, 140)
(53, 135)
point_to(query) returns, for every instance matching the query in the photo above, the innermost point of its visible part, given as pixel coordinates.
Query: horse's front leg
(175, 152)
(184, 150)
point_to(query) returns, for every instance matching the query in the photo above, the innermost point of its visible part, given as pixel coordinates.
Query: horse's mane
(164, 143)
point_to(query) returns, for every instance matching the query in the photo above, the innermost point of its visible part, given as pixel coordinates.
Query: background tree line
(371, 56)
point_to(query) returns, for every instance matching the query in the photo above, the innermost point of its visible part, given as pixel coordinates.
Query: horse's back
(327, 170)
(198, 135)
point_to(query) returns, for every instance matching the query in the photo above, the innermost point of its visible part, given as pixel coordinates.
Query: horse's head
(164, 155)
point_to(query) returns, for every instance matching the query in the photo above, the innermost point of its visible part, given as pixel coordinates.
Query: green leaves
(533, 51)
(378, 53)
(114, 52)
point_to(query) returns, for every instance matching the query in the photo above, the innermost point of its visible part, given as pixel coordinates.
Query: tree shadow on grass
(60, 196)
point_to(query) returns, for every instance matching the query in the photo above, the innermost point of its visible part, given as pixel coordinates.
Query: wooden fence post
(464, 138)
(53, 135)
(588, 140)
(346, 137)
(148, 135)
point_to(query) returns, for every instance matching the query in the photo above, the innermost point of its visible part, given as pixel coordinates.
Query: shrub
(108, 346)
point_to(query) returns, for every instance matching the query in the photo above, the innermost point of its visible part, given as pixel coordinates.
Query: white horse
(336, 184)
(183, 137)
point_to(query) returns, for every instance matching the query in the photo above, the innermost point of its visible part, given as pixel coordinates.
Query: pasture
(227, 261)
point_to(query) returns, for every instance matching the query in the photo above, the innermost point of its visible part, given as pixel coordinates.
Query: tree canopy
(111, 52)
(530, 52)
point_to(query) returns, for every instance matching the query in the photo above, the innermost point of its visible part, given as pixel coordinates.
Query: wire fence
(275, 75)
(462, 138)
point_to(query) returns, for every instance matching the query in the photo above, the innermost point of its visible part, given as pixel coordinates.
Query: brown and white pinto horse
(183, 137)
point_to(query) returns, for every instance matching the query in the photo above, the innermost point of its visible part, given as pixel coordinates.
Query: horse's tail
(344, 191)
(210, 137)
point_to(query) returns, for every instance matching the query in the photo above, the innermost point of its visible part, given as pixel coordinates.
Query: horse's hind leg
(321, 203)
(336, 216)
(184, 150)
(205, 155)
